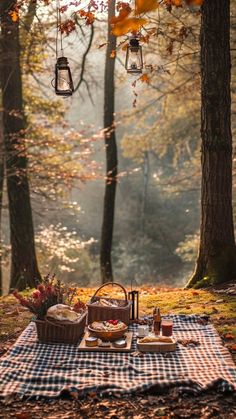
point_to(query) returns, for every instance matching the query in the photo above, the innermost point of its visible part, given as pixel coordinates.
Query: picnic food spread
(62, 319)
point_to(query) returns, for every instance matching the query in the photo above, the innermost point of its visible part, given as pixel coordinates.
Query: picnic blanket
(36, 369)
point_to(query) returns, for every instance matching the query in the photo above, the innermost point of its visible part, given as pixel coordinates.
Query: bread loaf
(154, 339)
(62, 312)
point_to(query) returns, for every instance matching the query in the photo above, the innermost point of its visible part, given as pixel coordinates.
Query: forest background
(156, 228)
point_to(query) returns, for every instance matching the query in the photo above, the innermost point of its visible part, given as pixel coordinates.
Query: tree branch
(82, 71)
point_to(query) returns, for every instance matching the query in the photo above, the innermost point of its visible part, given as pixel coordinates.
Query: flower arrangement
(48, 293)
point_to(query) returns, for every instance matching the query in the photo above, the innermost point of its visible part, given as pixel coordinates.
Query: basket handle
(111, 283)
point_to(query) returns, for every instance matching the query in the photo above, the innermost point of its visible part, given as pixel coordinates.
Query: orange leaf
(195, 293)
(144, 6)
(145, 78)
(14, 16)
(131, 24)
(123, 13)
(124, 47)
(176, 3)
(232, 348)
(113, 54)
(145, 39)
(194, 2)
(89, 17)
(229, 336)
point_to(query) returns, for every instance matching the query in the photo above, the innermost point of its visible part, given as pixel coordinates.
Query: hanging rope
(59, 33)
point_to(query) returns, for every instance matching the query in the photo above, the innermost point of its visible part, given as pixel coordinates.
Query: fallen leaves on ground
(23, 415)
(172, 405)
(229, 336)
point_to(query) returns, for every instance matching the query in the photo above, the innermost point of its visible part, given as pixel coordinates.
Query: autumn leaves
(129, 20)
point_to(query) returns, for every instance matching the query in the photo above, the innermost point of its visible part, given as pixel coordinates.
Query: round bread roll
(62, 312)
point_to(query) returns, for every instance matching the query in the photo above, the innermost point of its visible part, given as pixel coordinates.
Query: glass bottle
(157, 321)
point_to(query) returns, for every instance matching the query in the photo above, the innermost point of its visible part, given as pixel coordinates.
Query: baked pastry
(62, 312)
(156, 339)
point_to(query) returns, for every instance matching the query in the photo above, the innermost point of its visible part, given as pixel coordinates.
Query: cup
(143, 331)
(167, 327)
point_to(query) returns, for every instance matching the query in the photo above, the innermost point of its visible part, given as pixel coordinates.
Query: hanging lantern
(134, 57)
(63, 79)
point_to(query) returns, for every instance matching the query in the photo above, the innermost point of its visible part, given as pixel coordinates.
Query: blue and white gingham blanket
(36, 369)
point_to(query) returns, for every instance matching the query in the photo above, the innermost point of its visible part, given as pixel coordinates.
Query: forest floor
(218, 304)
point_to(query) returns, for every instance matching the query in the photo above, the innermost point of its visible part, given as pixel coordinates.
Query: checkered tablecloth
(35, 369)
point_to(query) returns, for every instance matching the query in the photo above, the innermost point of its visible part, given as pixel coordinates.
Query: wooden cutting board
(157, 346)
(82, 346)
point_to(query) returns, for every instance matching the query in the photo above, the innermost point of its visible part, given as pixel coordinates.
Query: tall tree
(217, 253)
(24, 269)
(1, 188)
(111, 153)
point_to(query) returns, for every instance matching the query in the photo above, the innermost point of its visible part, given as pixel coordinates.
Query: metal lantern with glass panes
(134, 57)
(63, 79)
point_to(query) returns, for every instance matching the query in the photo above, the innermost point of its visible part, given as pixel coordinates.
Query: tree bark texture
(111, 155)
(1, 189)
(146, 173)
(216, 261)
(24, 269)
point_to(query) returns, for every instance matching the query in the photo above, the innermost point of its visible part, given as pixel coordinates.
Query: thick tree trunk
(111, 155)
(24, 269)
(217, 254)
(1, 188)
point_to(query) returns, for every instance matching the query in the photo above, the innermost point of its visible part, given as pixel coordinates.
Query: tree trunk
(111, 155)
(24, 269)
(146, 172)
(216, 261)
(1, 189)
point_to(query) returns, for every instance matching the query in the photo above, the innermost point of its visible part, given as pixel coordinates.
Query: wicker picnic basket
(98, 312)
(55, 331)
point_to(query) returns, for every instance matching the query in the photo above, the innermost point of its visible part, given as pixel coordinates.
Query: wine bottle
(157, 321)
